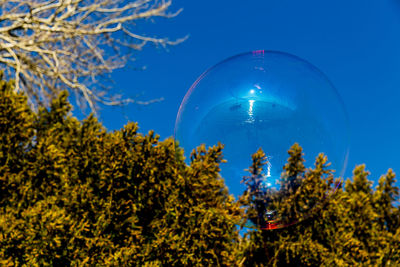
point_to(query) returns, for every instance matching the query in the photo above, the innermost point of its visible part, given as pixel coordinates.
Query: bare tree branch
(51, 45)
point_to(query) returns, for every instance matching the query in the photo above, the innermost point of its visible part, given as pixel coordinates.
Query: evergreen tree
(353, 226)
(74, 194)
(257, 197)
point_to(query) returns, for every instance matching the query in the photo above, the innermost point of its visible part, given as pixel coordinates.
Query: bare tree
(51, 45)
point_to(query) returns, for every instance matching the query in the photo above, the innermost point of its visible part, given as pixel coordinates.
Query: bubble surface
(269, 100)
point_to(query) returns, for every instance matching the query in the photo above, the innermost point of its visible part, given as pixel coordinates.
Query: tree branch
(48, 45)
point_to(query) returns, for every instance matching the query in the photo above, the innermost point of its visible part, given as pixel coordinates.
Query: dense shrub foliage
(72, 193)
(355, 226)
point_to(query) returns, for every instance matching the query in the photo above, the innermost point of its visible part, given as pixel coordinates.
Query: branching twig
(49, 45)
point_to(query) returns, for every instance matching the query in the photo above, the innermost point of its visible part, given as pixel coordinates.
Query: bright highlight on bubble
(269, 100)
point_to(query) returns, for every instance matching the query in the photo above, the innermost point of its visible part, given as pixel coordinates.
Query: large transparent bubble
(264, 99)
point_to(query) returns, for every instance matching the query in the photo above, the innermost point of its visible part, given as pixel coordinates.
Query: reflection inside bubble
(267, 100)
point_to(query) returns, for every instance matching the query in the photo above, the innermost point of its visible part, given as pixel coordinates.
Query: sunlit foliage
(74, 194)
(354, 226)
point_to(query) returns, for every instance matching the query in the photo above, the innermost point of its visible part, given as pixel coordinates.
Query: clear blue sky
(355, 43)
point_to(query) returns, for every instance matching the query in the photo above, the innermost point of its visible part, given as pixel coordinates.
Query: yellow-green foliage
(356, 226)
(72, 193)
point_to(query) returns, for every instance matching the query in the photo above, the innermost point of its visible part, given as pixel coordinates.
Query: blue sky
(355, 43)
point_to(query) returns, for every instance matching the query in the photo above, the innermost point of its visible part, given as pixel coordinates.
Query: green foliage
(255, 198)
(73, 194)
(353, 226)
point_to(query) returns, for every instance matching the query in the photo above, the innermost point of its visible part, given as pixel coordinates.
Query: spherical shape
(269, 100)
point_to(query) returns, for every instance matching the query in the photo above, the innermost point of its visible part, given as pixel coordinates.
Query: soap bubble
(269, 100)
